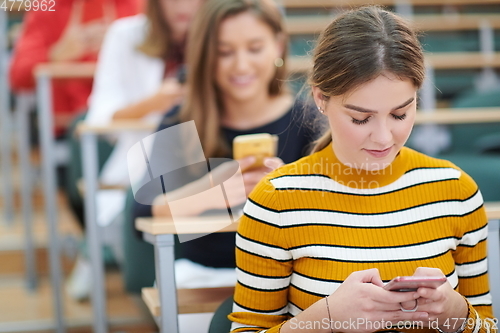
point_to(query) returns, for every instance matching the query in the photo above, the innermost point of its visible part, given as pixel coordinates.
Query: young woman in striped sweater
(321, 236)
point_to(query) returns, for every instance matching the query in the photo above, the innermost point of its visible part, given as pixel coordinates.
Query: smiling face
(372, 123)
(178, 15)
(247, 49)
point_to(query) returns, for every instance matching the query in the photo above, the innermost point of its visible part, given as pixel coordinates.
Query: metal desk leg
(494, 259)
(46, 129)
(165, 280)
(6, 124)
(89, 160)
(23, 105)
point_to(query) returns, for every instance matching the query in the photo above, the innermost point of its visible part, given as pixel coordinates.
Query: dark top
(218, 249)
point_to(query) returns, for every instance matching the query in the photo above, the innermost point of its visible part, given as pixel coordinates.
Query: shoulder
(266, 193)
(129, 26)
(449, 171)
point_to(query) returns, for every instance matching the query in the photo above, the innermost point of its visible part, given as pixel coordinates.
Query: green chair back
(220, 323)
(468, 138)
(138, 267)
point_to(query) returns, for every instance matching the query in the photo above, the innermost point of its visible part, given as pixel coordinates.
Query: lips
(379, 153)
(242, 80)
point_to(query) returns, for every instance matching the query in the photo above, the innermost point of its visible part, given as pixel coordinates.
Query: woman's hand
(170, 93)
(443, 304)
(362, 299)
(79, 39)
(253, 176)
(235, 194)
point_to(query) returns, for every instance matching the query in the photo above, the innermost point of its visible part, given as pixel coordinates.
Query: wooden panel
(116, 126)
(351, 3)
(80, 184)
(444, 60)
(68, 70)
(13, 262)
(492, 210)
(23, 308)
(461, 116)
(190, 225)
(315, 24)
(465, 60)
(200, 300)
(152, 300)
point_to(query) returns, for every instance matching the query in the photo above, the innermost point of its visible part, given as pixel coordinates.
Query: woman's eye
(401, 117)
(360, 122)
(255, 49)
(224, 53)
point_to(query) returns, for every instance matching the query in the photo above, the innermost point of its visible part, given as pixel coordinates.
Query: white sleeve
(109, 92)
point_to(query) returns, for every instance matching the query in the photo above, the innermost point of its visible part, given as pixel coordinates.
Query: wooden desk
(160, 232)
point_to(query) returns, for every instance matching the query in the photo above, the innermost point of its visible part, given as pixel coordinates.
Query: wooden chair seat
(201, 300)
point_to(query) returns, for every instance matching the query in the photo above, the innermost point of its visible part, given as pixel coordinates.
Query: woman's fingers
(428, 271)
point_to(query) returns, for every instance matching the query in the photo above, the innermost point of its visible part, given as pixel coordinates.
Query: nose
(382, 134)
(242, 61)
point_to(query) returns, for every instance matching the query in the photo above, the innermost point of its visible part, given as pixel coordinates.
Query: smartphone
(260, 145)
(412, 283)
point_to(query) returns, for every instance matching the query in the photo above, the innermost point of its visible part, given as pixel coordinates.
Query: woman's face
(372, 123)
(179, 14)
(247, 49)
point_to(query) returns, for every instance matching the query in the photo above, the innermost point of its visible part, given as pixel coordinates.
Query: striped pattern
(310, 224)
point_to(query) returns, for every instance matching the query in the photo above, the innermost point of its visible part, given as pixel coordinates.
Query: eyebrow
(252, 41)
(360, 109)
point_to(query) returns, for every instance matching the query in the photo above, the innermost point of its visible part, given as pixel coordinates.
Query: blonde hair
(202, 102)
(360, 45)
(158, 39)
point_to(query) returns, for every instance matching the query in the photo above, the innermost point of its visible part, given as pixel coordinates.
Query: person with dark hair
(320, 237)
(236, 61)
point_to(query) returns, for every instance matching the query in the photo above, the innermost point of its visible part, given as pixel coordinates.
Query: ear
(319, 97)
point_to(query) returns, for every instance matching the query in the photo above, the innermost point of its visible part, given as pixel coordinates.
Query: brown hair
(202, 102)
(158, 39)
(360, 45)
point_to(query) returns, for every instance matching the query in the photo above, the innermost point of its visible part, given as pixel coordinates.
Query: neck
(255, 112)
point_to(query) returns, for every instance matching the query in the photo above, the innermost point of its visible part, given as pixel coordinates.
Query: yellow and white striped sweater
(309, 224)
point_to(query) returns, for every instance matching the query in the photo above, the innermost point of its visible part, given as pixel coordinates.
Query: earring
(278, 62)
(321, 110)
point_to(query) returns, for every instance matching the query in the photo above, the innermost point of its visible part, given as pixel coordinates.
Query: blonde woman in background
(236, 60)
